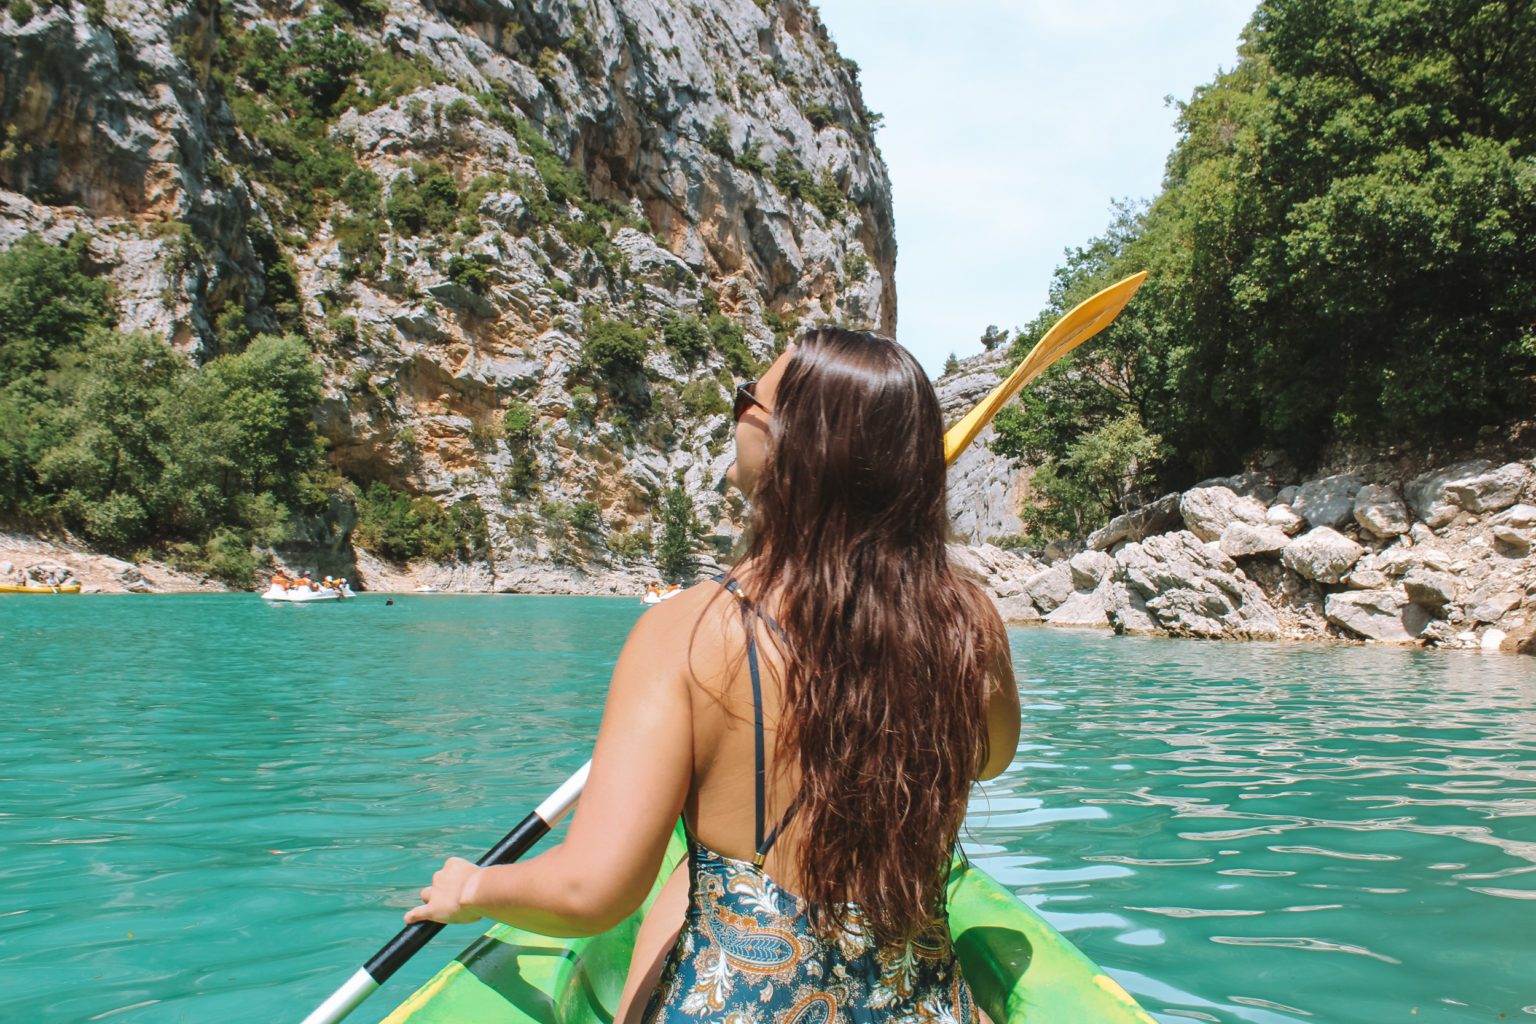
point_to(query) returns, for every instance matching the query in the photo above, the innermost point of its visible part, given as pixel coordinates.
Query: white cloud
(1009, 129)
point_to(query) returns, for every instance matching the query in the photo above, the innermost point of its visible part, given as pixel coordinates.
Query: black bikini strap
(773, 837)
(759, 768)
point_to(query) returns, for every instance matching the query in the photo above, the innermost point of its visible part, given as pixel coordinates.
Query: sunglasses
(746, 398)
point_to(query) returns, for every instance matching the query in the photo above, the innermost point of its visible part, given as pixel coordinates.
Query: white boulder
(1207, 511)
(1376, 615)
(1379, 509)
(1322, 554)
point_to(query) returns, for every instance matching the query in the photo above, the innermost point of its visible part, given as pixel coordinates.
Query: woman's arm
(1002, 703)
(641, 770)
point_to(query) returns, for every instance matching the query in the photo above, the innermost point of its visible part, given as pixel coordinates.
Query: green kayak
(1021, 969)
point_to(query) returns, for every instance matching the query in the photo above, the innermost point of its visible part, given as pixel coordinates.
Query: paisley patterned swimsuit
(748, 955)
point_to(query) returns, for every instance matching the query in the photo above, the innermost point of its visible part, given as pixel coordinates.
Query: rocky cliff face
(985, 488)
(460, 204)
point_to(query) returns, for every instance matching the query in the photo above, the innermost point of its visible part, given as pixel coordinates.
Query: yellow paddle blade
(1087, 318)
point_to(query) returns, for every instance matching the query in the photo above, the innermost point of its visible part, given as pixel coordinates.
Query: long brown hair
(889, 651)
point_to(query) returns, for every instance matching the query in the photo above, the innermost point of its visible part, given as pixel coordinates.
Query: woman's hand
(447, 899)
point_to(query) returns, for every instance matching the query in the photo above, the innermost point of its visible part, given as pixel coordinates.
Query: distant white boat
(652, 597)
(304, 595)
(428, 589)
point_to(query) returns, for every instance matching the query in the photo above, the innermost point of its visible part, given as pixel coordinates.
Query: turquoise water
(212, 810)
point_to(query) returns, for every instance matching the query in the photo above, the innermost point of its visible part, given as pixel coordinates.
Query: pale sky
(1010, 125)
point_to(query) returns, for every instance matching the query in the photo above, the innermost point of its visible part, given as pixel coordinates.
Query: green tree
(679, 532)
(1338, 253)
(123, 440)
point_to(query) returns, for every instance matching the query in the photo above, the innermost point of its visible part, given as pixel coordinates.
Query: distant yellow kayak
(15, 588)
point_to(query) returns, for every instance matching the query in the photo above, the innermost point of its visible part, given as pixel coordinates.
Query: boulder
(1399, 558)
(1429, 492)
(1365, 577)
(1207, 511)
(1048, 588)
(1429, 588)
(1493, 639)
(1128, 613)
(1377, 615)
(1245, 540)
(1084, 608)
(1160, 516)
(1017, 610)
(1250, 483)
(1187, 588)
(1521, 640)
(1321, 554)
(1284, 518)
(1328, 501)
(1494, 607)
(1491, 491)
(1518, 542)
(1286, 495)
(1089, 569)
(1088, 596)
(1518, 517)
(1379, 509)
(1060, 550)
(1003, 574)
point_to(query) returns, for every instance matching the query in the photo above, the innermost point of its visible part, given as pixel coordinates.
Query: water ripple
(1303, 833)
(213, 809)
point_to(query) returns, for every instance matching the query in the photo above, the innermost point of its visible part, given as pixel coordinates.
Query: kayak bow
(1019, 967)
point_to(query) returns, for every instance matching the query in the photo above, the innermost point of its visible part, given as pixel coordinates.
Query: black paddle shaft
(409, 940)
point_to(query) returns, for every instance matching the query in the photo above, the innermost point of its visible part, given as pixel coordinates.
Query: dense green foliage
(284, 95)
(424, 200)
(613, 358)
(122, 439)
(520, 427)
(679, 532)
(1342, 251)
(821, 191)
(402, 527)
(691, 339)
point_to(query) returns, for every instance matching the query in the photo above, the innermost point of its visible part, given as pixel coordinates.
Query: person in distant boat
(281, 580)
(817, 716)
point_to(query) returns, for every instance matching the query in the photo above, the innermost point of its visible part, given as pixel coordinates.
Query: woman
(817, 717)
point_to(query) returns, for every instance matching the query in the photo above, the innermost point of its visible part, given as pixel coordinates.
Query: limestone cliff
(985, 488)
(451, 201)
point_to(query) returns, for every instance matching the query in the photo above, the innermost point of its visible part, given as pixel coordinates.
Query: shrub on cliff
(422, 200)
(520, 427)
(1340, 252)
(613, 358)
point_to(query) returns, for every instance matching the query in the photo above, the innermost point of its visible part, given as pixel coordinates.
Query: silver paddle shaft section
(394, 953)
(345, 999)
(563, 799)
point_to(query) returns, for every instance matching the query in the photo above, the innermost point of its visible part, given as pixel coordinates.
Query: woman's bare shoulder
(693, 627)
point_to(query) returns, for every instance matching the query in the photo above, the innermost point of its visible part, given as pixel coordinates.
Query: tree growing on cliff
(680, 531)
